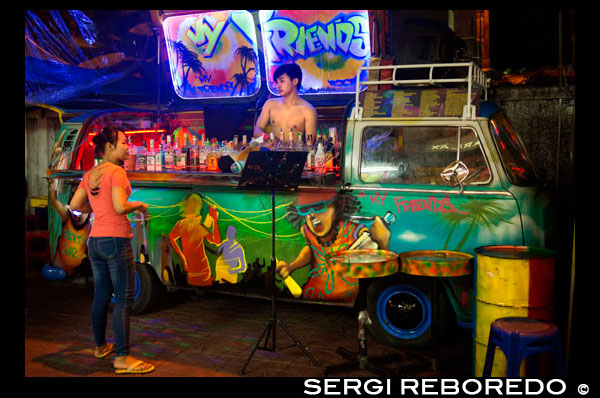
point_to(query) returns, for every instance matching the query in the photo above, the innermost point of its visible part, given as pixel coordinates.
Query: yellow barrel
(510, 281)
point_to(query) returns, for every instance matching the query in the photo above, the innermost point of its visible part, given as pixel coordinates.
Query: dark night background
(528, 38)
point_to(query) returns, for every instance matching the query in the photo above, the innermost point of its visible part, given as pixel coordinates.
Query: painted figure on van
(324, 221)
(188, 236)
(232, 260)
(75, 229)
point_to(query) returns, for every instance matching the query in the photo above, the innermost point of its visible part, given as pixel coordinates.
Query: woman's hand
(142, 208)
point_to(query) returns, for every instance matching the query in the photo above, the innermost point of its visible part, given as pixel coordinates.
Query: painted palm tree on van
(189, 63)
(475, 214)
(242, 80)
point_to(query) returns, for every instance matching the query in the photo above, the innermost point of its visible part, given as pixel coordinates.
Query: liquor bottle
(300, 143)
(212, 158)
(169, 156)
(235, 147)
(309, 158)
(131, 158)
(194, 155)
(176, 155)
(329, 156)
(279, 145)
(319, 158)
(223, 149)
(318, 139)
(140, 164)
(185, 150)
(314, 149)
(150, 156)
(272, 142)
(290, 143)
(202, 155)
(183, 156)
(244, 141)
(158, 158)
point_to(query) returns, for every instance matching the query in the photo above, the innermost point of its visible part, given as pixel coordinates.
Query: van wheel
(400, 311)
(147, 289)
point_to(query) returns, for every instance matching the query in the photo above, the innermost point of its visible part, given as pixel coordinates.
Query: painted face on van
(319, 216)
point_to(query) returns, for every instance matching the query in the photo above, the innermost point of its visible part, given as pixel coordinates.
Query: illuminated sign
(329, 46)
(213, 55)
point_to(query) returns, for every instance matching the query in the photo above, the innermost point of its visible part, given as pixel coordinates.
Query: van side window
(417, 155)
(517, 164)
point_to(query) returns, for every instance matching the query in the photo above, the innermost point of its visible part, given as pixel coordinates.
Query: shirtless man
(288, 111)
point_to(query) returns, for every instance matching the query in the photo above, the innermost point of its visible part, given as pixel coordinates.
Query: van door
(398, 171)
(395, 174)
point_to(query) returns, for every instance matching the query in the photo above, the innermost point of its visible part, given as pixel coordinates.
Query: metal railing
(475, 78)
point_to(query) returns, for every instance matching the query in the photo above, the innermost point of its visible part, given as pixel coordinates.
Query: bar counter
(184, 179)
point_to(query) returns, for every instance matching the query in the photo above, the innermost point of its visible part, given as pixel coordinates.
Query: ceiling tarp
(74, 54)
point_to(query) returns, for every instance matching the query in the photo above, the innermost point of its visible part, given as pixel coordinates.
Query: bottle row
(166, 155)
(322, 152)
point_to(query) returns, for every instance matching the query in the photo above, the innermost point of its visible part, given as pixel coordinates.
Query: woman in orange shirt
(107, 189)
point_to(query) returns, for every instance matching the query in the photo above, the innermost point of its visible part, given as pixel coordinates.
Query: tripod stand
(274, 171)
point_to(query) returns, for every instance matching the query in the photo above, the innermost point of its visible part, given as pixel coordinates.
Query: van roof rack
(475, 78)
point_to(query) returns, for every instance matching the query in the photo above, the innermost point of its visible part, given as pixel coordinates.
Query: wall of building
(41, 126)
(545, 119)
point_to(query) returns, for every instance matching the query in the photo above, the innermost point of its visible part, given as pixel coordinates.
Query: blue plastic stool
(520, 337)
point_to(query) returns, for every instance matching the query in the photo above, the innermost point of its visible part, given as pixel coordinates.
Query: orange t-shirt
(106, 220)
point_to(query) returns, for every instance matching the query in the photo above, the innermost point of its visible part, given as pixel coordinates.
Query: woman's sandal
(109, 348)
(137, 368)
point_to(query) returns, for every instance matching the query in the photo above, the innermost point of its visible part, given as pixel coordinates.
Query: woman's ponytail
(108, 134)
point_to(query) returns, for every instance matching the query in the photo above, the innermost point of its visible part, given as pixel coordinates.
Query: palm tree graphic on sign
(241, 80)
(189, 62)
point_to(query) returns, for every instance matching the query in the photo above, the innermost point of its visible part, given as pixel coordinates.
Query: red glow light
(91, 134)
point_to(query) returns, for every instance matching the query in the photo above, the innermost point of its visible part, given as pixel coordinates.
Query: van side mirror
(455, 174)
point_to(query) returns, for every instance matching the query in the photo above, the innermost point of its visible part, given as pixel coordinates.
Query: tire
(401, 313)
(148, 289)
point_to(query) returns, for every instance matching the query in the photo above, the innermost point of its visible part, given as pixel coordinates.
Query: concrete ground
(208, 335)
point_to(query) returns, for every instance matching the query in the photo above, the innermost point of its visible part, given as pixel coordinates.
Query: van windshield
(519, 169)
(418, 154)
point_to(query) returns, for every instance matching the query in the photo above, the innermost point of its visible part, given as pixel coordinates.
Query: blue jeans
(114, 271)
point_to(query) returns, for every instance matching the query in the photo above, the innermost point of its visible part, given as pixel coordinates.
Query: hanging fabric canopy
(74, 54)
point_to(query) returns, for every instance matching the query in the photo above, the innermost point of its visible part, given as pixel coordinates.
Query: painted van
(420, 169)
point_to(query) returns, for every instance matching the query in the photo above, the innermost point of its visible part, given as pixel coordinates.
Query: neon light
(213, 54)
(145, 131)
(329, 46)
(134, 132)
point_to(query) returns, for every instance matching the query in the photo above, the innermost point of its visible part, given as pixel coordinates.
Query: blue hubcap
(404, 311)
